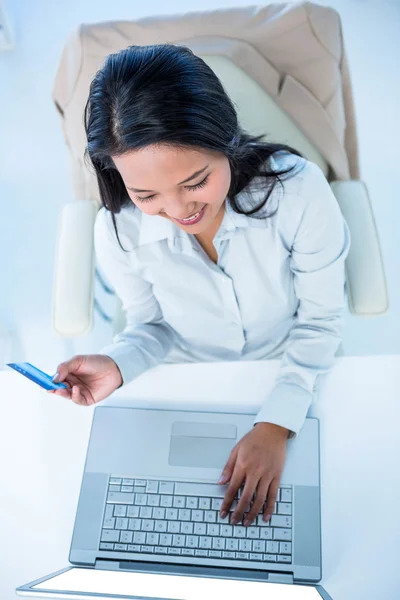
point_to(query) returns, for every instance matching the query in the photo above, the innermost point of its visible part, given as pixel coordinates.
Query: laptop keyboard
(182, 518)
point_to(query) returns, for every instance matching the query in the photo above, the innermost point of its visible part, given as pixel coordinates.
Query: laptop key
(120, 547)
(174, 550)
(122, 523)
(272, 547)
(285, 559)
(280, 521)
(116, 480)
(109, 535)
(165, 539)
(135, 524)
(141, 482)
(231, 544)
(187, 528)
(139, 489)
(160, 526)
(148, 549)
(187, 552)
(200, 528)
(127, 481)
(160, 550)
(145, 512)
(152, 486)
(116, 488)
(133, 547)
(284, 508)
(229, 554)
(171, 514)
(153, 500)
(201, 552)
(285, 548)
(109, 523)
(242, 555)
(125, 488)
(132, 512)
(147, 525)
(215, 553)
(152, 539)
(258, 546)
(285, 535)
(166, 501)
(139, 537)
(255, 556)
(120, 498)
(192, 541)
(126, 537)
(266, 533)
(106, 546)
(286, 495)
(166, 487)
(191, 502)
(184, 488)
(140, 499)
(204, 503)
(269, 557)
(119, 510)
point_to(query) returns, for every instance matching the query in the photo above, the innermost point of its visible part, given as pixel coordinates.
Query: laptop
(148, 525)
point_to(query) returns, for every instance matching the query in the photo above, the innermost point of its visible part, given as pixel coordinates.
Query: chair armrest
(366, 281)
(72, 310)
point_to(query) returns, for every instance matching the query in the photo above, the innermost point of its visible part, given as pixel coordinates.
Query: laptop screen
(174, 587)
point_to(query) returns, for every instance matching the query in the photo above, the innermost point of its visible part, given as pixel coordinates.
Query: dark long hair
(165, 94)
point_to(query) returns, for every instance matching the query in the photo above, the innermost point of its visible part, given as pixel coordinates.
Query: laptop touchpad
(201, 444)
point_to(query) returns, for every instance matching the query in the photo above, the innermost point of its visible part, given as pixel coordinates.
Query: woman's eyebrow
(193, 176)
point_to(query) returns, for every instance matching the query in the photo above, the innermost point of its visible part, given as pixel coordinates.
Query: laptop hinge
(116, 565)
(280, 577)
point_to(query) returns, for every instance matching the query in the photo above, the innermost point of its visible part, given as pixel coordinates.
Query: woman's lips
(194, 221)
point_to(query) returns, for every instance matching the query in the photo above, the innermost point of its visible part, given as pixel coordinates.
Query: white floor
(34, 180)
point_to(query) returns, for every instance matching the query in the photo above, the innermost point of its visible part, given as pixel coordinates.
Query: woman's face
(155, 178)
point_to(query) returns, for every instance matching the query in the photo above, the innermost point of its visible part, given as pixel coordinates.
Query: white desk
(43, 441)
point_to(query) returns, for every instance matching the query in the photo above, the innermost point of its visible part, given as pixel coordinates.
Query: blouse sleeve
(147, 338)
(320, 247)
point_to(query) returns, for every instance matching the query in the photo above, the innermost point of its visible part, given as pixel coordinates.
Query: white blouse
(278, 289)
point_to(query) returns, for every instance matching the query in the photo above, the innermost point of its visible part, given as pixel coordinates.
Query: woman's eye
(188, 187)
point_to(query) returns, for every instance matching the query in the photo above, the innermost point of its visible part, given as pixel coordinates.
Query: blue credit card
(36, 375)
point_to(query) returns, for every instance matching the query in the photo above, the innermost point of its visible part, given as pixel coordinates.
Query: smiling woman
(169, 124)
(176, 173)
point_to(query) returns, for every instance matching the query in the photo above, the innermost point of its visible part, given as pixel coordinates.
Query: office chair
(285, 68)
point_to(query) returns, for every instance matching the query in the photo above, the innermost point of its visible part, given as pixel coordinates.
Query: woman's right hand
(90, 378)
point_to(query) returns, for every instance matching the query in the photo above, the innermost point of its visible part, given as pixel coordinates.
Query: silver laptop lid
(83, 583)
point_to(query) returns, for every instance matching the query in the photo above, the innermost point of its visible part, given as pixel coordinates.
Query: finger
(82, 396)
(67, 367)
(258, 501)
(230, 494)
(228, 468)
(62, 392)
(245, 499)
(272, 495)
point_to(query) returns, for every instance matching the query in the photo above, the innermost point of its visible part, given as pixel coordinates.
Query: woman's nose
(178, 210)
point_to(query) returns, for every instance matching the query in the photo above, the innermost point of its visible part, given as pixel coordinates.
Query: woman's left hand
(258, 458)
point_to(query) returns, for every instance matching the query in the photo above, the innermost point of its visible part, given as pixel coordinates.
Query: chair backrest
(283, 65)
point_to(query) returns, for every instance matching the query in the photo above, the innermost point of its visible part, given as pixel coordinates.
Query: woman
(212, 255)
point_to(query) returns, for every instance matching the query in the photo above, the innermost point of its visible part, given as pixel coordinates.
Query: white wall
(34, 182)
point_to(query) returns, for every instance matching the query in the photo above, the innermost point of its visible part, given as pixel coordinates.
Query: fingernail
(266, 518)
(247, 523)
(221, 479)
(56, 376)
(223, 514)
(234, 521)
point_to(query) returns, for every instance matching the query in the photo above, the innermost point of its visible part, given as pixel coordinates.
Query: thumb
(69, 366)
(228, 468)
